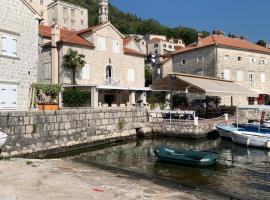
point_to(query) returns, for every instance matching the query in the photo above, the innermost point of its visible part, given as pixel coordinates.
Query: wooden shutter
(8, 96)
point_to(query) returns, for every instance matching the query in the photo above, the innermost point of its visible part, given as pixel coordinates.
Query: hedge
(76, 98)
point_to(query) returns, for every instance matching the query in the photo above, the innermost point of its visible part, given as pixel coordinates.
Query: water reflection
(241, 172)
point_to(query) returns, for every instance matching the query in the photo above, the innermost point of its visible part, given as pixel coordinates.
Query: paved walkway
(64, 180)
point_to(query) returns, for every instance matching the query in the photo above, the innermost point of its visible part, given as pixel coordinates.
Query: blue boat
(252, 127)
(189, 157)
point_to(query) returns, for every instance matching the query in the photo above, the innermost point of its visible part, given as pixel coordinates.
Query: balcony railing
(111, 82)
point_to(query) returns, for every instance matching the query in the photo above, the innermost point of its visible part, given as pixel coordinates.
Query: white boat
(250, 139)
(226, 131)
(3, 138)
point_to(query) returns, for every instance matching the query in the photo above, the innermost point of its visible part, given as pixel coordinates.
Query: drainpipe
(55, 53)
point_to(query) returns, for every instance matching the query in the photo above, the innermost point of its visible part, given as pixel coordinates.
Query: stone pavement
(65, 180)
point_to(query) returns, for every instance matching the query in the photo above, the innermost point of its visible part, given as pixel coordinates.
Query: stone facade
(31, 132)
(248, 68)
(114, 69)
(67, 15)
(19, 22)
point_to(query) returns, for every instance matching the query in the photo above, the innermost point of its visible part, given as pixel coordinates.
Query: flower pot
(48, 106)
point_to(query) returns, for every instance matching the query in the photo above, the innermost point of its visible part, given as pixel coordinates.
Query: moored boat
(3, 138)
(226, 131)
(189, 157)
(251, 140)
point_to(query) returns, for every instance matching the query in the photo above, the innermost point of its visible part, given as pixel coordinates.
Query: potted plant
(47, 96)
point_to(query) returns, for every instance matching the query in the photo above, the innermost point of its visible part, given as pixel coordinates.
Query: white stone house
(18, 53)
(114, 70)
(232, 59)
(65, 14)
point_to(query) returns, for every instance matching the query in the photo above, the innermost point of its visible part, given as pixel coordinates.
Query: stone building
(114, 70)
(19, 53)
(159, 45)
(233, 59)
(66, 15)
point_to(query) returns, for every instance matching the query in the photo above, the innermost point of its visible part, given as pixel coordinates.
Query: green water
(241, 172)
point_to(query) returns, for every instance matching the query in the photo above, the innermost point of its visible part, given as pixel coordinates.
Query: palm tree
(74, 61)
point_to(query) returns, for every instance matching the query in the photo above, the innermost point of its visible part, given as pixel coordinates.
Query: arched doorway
(109, 74)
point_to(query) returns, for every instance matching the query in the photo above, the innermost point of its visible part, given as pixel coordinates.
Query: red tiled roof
(224, 41)
(156, 40)
(133, 52)
(126, 41)
(66, 36)
(89, 29)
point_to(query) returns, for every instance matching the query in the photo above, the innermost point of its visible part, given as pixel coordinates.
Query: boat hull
(251, 140)
(225, 131)
(196, 158)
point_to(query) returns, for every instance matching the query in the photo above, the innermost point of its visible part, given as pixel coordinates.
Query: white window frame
(183, 61)
(240, 75)
(8, 96)
(200, 59)
(263, 77)
(227, 74)
(47, 71)
(116, 46)
(131, 75)
(85, 72)
(9, 45)
(101, 44)
(227, 57)
(251, 79)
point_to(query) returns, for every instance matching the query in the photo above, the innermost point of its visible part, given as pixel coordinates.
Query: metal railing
(111, 82)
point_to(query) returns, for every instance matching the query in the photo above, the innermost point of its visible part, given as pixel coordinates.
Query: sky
(249, 18)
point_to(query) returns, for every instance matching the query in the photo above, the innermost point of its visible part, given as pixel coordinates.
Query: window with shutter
(227, 74)
(101, 44)
(131, 75)
(47, 69)
(239, 75)
(85, 72)
(8, 96)
(9, 45)
(116, 46)
(263, 77)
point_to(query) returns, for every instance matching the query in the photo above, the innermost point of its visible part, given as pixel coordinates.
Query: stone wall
(18, 21)
(31, 132)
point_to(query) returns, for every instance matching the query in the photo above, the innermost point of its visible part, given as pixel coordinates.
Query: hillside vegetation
(129, 23)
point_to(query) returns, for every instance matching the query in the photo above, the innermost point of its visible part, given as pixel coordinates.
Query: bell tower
(103, 9)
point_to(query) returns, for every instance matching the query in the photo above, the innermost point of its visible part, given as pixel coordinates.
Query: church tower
(103, 7)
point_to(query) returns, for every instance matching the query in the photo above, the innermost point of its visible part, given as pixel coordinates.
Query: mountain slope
(129, 23)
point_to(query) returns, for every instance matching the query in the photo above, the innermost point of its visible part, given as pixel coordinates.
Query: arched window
(109, 72)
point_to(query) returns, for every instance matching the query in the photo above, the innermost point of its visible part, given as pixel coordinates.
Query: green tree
(74, 61)
(148, 76)
(261, 43)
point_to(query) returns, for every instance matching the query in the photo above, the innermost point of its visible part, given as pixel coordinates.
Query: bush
(76, 98)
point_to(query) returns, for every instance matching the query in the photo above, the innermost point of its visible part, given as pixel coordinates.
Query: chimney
(199, 39)
(55, 54)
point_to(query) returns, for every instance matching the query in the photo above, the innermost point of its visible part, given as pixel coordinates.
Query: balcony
(111, 82)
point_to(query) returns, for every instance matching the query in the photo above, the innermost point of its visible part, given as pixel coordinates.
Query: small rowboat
(3, 138)
(189, 157)
(251, 140)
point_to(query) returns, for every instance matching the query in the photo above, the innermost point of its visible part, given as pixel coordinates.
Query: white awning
(254, 107)
(202, 85)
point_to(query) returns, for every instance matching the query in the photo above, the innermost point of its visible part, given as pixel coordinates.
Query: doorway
(109, 99)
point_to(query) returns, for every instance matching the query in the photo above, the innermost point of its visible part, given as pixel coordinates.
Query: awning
(202, 85)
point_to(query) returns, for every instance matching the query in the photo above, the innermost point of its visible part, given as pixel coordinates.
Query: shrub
(76, 98)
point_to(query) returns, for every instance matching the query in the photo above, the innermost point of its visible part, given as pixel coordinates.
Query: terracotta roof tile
(66, 36)
(133, 52)
(224, 41)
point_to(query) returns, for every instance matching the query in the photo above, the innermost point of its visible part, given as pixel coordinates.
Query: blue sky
(250, 18)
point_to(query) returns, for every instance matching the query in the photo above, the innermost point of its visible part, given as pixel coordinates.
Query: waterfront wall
(31, 132)
(188, 129)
